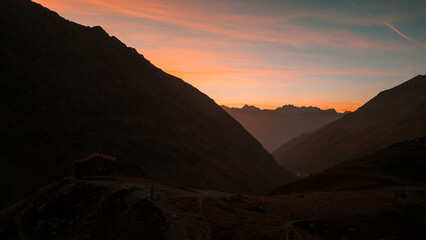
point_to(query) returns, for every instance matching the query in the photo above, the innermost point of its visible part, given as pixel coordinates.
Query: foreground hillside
(394, 115)
(382, 196)
(355, 200)
(275, 127)
(67, 91)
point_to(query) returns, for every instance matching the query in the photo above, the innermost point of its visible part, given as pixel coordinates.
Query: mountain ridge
(275, 127)
(69, 90)
(391, 166)
(284, 108)
(394, 115)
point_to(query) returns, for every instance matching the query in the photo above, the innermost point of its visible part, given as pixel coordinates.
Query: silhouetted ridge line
(394, 115)
(68, 90)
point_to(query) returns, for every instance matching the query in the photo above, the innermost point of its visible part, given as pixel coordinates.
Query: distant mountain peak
(275, 127)
(250, 108)
(294, 109)
(288, 108)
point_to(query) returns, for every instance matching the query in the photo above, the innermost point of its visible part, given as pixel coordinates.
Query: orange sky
(268, 53)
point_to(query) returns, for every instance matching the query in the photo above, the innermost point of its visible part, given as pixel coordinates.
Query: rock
(53, 222)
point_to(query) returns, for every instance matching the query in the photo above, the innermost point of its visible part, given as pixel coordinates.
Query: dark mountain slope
(392, 166)
(67, 91)
(379, 196)
(395, 115)
(275, 127)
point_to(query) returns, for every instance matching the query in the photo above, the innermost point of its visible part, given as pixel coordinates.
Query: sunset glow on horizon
(330, 54)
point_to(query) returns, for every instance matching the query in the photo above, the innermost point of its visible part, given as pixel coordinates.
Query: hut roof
(95, 155)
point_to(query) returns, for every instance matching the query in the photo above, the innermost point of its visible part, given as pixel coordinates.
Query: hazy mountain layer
(273, 128)
(394, 115)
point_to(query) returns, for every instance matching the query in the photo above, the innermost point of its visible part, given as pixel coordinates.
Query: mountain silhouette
(388, 167)
(394, 115)
(67, 91)
(273, 128)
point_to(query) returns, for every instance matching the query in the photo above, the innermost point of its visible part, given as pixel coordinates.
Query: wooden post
(152, 192)
(200, 206)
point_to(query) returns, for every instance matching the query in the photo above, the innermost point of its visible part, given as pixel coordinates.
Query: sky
(330, 54)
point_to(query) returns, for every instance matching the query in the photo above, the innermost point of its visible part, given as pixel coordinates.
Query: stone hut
(95, 165)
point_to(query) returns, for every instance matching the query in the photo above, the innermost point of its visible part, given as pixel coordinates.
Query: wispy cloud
(409, 66)
(356, 6)
(397, 31)
(224, 46)
(269, 29)
(385, 23)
